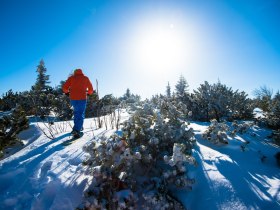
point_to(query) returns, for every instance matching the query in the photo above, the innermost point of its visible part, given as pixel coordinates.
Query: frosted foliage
(220, 102)
(178, 156)
(216, 132)
(219, 132)
(151, 157)
(239, 128)
(111, 161)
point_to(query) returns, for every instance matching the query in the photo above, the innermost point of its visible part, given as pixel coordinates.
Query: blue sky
(141, 44)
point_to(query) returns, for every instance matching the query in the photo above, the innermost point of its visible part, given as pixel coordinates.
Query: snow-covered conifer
(181, 86)
(219, 102)
(168, 91)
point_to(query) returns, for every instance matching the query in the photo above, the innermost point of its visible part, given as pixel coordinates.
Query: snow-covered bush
(140, 168)
(111, 161)
(240, 128)
(216, 132)
(217, 101)
(273, 116)
(10, 126)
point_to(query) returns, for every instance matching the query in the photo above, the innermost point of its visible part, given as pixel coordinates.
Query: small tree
(127, 93)
(40, 92)
(42, 79)
(181, 86)
(168, 91)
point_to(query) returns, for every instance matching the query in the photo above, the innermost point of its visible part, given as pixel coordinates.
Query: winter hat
(78, 71)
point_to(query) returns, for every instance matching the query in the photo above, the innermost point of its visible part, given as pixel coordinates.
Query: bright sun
(159, 47)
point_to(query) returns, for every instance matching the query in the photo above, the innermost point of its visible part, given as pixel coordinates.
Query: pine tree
(40, 92)
(181, 86)
(127, 93)
(42, 78)
(219, 101)
(168, 91)
(9, 100)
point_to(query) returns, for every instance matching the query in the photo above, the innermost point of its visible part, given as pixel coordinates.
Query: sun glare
(159, 45)
(160, 48)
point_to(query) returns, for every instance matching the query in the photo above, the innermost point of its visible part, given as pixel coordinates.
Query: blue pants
(79, 113)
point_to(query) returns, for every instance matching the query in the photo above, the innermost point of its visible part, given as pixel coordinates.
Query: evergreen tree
(218, 101)
(9, 101)
(202, 98)
(181, 86)
(129, 97)
(241, 106)
(42, 79)
(168, 91)
(42, 93)
(127, 93)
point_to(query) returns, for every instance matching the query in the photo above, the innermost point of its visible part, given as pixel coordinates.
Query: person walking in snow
(78, 86)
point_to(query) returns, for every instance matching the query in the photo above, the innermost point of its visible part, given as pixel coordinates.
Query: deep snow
(45, 174)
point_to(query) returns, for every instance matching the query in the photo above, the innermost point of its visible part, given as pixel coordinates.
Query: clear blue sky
(141, 44)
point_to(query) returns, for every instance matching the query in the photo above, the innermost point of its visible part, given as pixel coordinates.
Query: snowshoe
(76, 134)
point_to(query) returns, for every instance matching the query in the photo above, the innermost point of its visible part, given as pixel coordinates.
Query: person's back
(78, 86)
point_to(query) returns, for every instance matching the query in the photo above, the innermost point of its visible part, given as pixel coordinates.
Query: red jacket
(78, 85)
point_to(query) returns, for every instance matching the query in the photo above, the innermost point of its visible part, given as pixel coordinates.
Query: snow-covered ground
(46, 174)
(230, 178)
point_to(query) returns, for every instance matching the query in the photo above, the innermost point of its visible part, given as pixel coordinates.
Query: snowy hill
(47, 174)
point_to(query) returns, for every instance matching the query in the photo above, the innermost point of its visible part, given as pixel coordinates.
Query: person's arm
(90, 88)
(67, 86)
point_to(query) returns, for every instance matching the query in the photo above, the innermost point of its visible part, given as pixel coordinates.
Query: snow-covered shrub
(111, 164)
(240, 128)
(216, 132)
(273, 116)
(146, 163)
(10, 126)
(217, 101)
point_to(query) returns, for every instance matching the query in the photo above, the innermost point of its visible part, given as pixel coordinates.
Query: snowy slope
(228, 178)
(45, 174)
